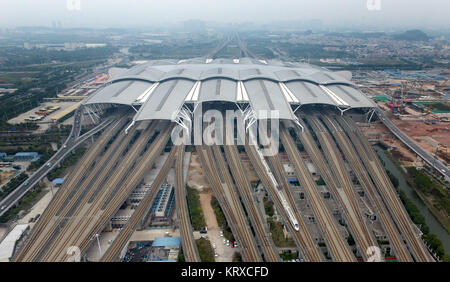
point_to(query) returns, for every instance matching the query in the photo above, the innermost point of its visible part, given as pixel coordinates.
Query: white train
(280, 194)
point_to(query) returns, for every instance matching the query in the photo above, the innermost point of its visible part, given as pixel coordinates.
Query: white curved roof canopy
(162, 87)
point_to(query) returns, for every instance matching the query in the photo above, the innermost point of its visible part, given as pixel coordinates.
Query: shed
(167, 242)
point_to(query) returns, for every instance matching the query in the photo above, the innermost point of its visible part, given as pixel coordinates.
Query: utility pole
(51, 189)
(98, 242)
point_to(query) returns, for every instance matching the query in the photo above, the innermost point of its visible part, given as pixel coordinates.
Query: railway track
(190, 250)
(339, 181)
(83, 192)
(386, 190)
(113, 252)
(221, 183)
(302, 237)
(119, 186)
(96, 205)
(67, 210)
(245, 190)
(337, 246)
(72, 181)
(348, 150)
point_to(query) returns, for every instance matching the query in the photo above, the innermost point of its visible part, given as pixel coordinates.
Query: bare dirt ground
(225, 252)
(418, 128)
(197, 180)
(427, 136)
(406, 156)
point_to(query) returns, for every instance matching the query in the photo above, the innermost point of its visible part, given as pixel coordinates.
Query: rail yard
(330, 195)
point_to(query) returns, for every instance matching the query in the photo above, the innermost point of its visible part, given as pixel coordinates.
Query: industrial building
(163, 202)
(26, 156)
(161, 249)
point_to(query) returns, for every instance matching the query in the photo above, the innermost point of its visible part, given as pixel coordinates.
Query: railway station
(330, 196)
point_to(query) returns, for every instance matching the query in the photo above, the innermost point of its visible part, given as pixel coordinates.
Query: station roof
(58, 181)
(26, 154)
(162, 87)
(166, 242)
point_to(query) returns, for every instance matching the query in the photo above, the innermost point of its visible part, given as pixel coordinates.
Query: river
(434, 225)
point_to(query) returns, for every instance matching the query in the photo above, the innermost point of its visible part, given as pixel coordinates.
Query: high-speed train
(278, 189)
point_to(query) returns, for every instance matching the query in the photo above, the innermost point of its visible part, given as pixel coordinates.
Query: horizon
(101, 14)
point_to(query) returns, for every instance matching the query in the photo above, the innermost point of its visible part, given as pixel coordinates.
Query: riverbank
(426, 199)
(417, 208)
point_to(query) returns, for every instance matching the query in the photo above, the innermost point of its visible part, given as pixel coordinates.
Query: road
(73, 180)
(93, 217)
(71, 143)
(111, 181)
(432, 161)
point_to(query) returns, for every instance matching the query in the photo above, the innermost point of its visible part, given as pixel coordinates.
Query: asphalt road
(72, 142)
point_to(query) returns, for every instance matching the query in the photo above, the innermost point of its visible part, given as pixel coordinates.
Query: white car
(221, 233)
(214, 245)
(224, 241)
(216, 254)
(2, 208)
(228, 242)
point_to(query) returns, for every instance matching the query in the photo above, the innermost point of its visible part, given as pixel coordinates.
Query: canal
(434, 225)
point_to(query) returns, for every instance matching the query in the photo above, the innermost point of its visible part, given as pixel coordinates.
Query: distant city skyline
(389, 14)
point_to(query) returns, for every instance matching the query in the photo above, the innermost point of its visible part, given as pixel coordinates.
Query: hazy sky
(135, 13)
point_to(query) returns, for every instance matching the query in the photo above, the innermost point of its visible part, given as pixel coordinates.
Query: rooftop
(8, 244)
(166, 242)
(161, 88)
